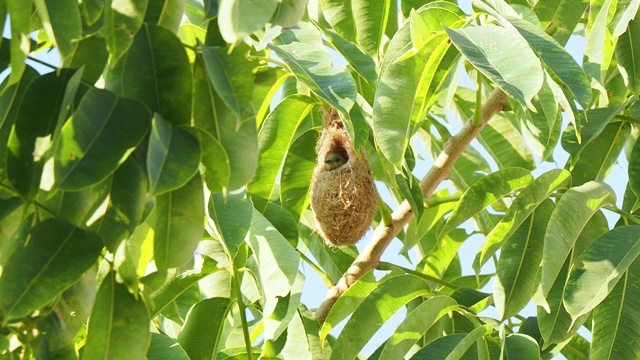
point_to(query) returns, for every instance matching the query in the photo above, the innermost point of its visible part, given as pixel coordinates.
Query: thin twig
(369, 258)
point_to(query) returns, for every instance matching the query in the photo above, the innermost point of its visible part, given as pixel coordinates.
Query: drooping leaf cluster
(154, 183)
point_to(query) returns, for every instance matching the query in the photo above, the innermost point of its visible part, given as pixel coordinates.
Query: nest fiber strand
(343, 198)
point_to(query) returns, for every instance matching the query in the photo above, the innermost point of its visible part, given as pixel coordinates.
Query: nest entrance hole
(337, 148)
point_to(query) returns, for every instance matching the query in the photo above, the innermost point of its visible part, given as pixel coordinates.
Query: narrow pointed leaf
(564, 14)
(604, 262)
(520, 345)
(20, 11)
(122, 19)
(274, 141)
(313, 66)
(177, 286)
(179, 224)
(296, 172)
(215, 169)
(370, 21)
(231, 75)
(374, 311)
(31, 135)
(598, 157)
(201, 333)
(492, 50)
(102, 121)
(627, 53)
(560, 63)
(519, 262)
(485, 192)
(541, 129)
(62, 23)
(241, 18)
(37, 272)
(408, 87)
(163, 347)
(172, 158)
(166, 13)
(277, 259)
(232, 218)
(451, 346)
(415, 324)
(573, 211)
(119, 324)
(340, 16)
(524, 204)
(165, 87)
(616, 321)
(126, 204)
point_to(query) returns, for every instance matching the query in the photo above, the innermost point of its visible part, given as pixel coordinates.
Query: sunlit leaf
(122, 19)
(163, 347)
(166, 13)
(178, 224)
(38, 271)
(102, 121)
(62, 23)
(296, 172)
(240, 18)
(201, 333)
(232, 218)
(572, 212)
(20, 11)
(119, 324)
(563, 15)
(484, 192)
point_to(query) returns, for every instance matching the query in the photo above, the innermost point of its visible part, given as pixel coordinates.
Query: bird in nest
(333, 161)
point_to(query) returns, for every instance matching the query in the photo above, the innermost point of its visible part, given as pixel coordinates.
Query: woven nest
(343, 196)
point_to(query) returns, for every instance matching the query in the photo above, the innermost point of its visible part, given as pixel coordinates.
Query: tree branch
(369, 259)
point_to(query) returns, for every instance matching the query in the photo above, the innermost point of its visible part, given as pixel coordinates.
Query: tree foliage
(154, 185)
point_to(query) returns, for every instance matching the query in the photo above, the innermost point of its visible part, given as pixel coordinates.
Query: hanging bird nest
(343, 196)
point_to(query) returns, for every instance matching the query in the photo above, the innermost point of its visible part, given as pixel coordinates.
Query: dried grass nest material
(343, 195)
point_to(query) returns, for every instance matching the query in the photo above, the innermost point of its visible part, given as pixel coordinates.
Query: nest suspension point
(343, 195)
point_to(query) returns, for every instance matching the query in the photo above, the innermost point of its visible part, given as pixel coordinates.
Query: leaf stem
(388, 266)
(623, 213)
(268, 59)
(242, 309)
(323, 276)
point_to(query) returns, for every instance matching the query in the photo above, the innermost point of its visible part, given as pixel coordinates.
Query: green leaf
(241, 18)
(274, 140)
(312, 65)
(374, 311)
(485, 192)
(165, 348)
(409, 87)
(296, 172)
(415, 324)
(202, 330)
(627, 50)
(69, 314)
(178, 285)
(278, 314)
(92, 10)
(166, 86)
(363, 64)
(119, 324)
(232, 77)
(518, 346)
(557, 60)
(178, 224)
(122, 21)
(520, 259)
(440, 257)
(38, 271)
(215, 162)
(572, 212)
(172, 158)
(126, 204)
(62, 23)
(232, 216)
(634, 173)
(289, 12)
(524, 204)
(492, 50)
(563, 15)
(93, 55)
(277, 260)
(334, 262)
(594, 121)
(166, 13)
(599, 156)
(541, 129)
(81, 208)
(340, 16)
(499, 137)
(616, 320)
(30, 137)
(603, 263)
(20, 11)
(455, 345)
(102, 121)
